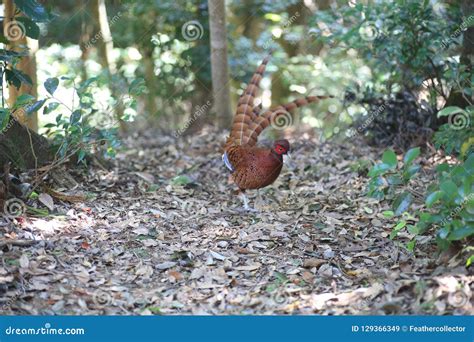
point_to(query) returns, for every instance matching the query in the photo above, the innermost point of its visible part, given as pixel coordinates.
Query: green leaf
(32, 9)
(402, 203)
(378, 169)
(390, 158)
(461, 233)
(50, 107)
(450, 110)
(15, 77)
(75, 117)
(411, 155)
(181, 180)
(394, 180)
(84, 85)
(23, 100)
(31, 29)
(4, 118)
(34, 107)
(449, 188)
(51, 84)
(81, 156)
(397, 228)
(469, 163)
(388, 214)
(410, 172)
(433, 198)
(400, 225)
(470, 260)
(442, 168)
(414, 229)
(411, 245)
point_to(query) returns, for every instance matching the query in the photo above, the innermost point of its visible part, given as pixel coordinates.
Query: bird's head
(281, 147)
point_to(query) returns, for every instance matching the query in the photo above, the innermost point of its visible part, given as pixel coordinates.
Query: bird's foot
(247, 210)
(250, 209)
(246, 207)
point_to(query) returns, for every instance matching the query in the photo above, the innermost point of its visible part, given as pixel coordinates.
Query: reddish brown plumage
(255, 167)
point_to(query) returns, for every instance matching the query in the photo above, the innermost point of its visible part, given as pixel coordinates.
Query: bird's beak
(286, 158)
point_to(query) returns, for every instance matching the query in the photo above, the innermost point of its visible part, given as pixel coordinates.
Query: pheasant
(254, 167)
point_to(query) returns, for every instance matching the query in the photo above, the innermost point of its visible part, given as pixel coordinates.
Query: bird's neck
(279, 157)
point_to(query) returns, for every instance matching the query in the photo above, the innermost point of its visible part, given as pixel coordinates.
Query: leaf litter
(162, 232)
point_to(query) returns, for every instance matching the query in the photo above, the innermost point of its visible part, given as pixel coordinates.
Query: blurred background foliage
(366, 53)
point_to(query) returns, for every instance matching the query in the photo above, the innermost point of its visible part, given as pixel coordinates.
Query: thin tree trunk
(87, 30)
(27, 65)
(150, 79)
(105, 48)
(219, 64)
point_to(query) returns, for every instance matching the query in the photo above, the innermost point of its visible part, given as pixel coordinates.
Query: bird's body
(255, 167)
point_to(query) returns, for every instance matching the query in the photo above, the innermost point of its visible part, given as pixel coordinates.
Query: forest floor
(161, 233)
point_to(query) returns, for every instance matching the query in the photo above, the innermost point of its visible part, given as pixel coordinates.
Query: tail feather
(272, 115)
(249, 123)
(246, 112)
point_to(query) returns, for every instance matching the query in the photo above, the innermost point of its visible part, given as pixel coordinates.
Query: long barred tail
(278, 117)
(246, 112)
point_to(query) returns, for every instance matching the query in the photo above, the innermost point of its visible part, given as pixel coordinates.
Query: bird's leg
(259, 200)
(246, 202)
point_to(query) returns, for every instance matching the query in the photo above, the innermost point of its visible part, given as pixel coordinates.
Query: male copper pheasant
(254, 167)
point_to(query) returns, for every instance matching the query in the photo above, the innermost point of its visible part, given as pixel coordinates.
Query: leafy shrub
(388, 180)
(406, 46)
(449, 202)
(79, 129)
(456, 136)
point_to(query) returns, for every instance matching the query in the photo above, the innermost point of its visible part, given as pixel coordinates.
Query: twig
(19, 243)
(33, 150)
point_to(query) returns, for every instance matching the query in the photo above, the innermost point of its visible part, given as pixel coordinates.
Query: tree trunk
(219, 64)
(27, 64)
(105, 48)
(150, 79)
(25, 149)
(87, 31)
